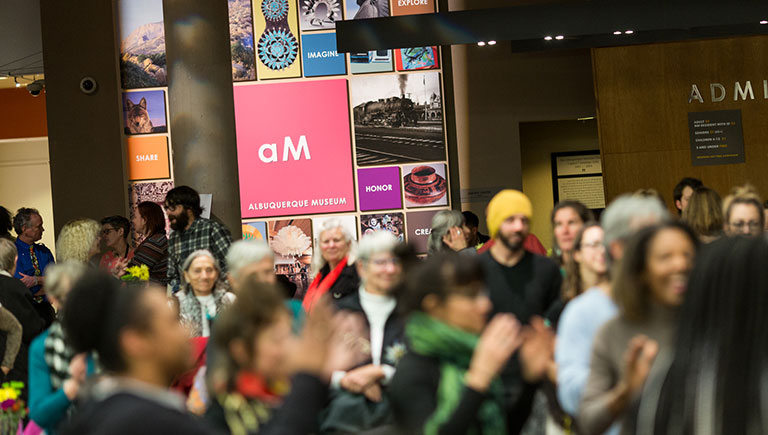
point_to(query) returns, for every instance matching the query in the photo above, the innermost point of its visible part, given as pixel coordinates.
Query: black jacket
(16, 298)
(413, 395)
(129, 414)
(394, 329)
(347, 283)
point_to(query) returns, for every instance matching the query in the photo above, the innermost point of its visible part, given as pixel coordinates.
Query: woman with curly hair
(78, 241)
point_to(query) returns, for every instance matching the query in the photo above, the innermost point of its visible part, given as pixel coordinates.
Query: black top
(16, 298)
(526, 289)
(297, 416)
(413, 395)
(129, 414)
(346, 284)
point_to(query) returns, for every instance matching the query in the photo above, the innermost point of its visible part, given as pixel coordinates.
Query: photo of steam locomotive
(397, 118)
(387, 112)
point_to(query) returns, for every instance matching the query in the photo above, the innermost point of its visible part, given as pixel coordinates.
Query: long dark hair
(630, 289)
(717, 378)
(572, 284)
(584, 213)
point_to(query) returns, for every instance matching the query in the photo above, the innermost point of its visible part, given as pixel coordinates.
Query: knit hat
(505, 204)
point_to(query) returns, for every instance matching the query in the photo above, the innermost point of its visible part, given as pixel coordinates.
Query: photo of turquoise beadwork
(278, 49)
(275, 10)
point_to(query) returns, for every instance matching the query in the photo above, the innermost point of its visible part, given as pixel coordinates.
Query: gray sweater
(607, 364)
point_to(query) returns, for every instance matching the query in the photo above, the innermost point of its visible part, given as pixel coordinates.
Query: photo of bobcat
(137, 118)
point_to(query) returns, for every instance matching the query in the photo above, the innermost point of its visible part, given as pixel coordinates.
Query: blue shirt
(24, 263)
(576, 331)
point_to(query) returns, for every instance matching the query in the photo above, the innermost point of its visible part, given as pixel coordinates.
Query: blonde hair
(746, 194)
(76, 240)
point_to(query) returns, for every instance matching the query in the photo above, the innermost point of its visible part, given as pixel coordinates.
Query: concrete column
(88, 176)
(201, 107)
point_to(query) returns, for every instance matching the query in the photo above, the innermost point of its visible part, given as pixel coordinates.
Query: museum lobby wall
(643, 103)
(495, 90)
(25, 172)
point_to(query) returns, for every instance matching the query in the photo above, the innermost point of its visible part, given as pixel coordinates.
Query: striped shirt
(153, 252)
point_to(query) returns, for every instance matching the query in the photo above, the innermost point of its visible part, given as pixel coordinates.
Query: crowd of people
(636, 321)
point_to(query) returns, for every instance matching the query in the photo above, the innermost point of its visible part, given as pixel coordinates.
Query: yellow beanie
(505, 204)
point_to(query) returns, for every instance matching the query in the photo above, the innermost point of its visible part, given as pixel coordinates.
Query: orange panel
(21, 114)
(147, 158)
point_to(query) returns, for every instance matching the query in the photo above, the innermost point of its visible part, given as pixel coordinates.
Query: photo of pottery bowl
(423, 185)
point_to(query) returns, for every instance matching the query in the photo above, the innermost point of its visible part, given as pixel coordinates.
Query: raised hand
(497, 343)
(537, 351)
(455, 239)
(639, 357)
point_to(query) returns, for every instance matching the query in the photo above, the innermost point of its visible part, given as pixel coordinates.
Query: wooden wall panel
(642, 104)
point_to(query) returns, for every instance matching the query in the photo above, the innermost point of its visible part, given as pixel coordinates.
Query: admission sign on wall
(294, 148)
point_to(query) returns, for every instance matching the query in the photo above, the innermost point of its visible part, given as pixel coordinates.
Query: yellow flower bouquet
(136, 273)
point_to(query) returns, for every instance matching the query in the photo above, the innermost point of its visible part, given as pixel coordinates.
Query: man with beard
(520, 283)
(191, 232)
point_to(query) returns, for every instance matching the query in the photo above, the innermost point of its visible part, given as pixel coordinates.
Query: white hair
(318, 262)
(375, 243)
(200, 253)
(442, 222)
(61, 277)
(627, 214)
(246, 252)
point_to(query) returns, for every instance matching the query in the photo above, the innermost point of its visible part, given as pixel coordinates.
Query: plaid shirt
(202, 234)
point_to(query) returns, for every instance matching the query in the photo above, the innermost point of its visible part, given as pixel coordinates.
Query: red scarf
(253, 386)
(320, 286)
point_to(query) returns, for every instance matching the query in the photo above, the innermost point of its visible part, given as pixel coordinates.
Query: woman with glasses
(114, 233)
(587, 292)
(743, 211)
(357, 400)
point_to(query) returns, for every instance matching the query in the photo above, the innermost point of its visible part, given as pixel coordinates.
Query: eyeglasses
(106, 231)
(742, 225)
(381, 262)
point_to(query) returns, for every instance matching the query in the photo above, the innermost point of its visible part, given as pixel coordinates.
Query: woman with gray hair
(333, 264)
(447, 233)
(203, 294)
(359, 390)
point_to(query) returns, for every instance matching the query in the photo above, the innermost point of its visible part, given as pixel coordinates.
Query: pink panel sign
(294, 149)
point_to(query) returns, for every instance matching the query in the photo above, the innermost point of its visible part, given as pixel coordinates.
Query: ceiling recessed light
(629, 32)
(481, 43)
(763, 21)
(547, 38)
(618, 32)
(559, 37)
(491, 42)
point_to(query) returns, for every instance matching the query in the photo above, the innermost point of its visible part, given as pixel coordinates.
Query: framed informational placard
(578, 176)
